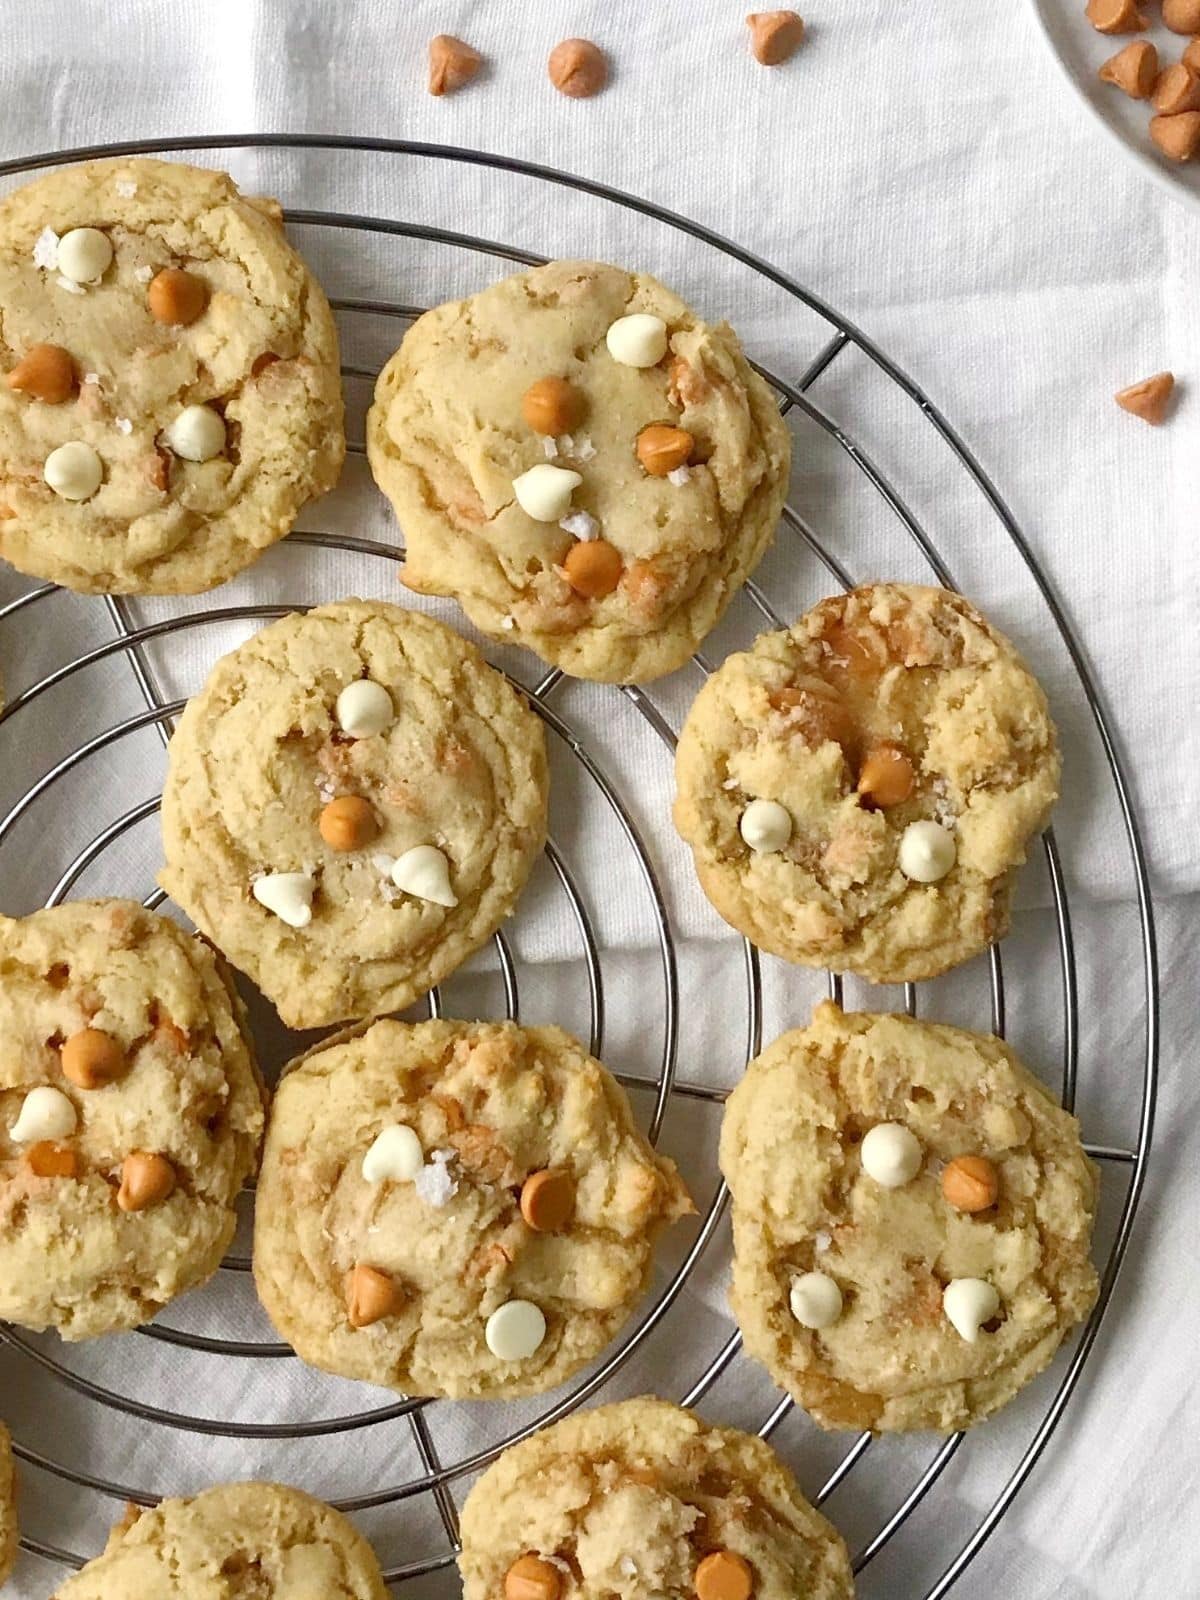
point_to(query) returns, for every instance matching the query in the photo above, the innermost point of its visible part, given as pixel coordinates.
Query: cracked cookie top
(172, 393)
(858, 790)
(585, 465)
(912, 1216)
(453, 1208)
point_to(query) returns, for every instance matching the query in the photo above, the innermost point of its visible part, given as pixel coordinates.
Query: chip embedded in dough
(258, 349)
(243, 1539)
(447, 437)
(179, 1089)
(458, 768)
(804, 1202)
(432, 1251)
(885, 715)
(8, 1508)
(630, 1498)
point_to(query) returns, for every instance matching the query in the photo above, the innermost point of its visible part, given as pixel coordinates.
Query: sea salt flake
(584, 448)
(143, 274)
(508, 623)
(549, 448)
(126, 188)
(730, 783)
(123, 425)
(70, 285)
(388, 891)
(565, 444)
(628, 1566)
(91, 377)
(45, 250)
(822, 1241)
(383, 863)
(433, 1183)
(679, 476)
(580, 525)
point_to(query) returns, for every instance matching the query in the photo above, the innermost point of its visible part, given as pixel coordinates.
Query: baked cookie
(173, 395)
(640, 1501)
(912, 1214)
(589, 469)
(858, 790)
(454, 1208)
(8, 1508)
(130, 1115)
(353, 804)
(241, 1541)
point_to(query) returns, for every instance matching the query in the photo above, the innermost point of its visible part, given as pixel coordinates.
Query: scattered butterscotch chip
(774, 36)
(1177, 137)
(92, 1059)
(661, 449)
(176, 297)
(1116, 16)
(371, 1295)
(147, 1180)
(531, 1578)
(46, 372)
(1191, 56)
(1133, 69)
(348, 823)
(1148, 399)
(452, 63)
(1177, 89)
(552, 406)
(547, 1200)
(724, 1575)
(1182, 16)
(49, 1160)
(886, 777)
(578, 68)
(593, 568)
(970, 1183)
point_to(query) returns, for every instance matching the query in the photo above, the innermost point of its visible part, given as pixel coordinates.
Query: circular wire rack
(439, 1476)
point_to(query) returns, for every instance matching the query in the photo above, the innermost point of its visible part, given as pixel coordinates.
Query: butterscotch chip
(1182, 16)
(552, 406)
(970, 1183)
(1148, 399)
(593, 568)
(1191, 56)
(661, 449)
(176, 297)
(91, 1059)
(348, 823)
(774, 36)
(531, 1578)
(1177, 137)
(1116, 16)
(46, 372)
(371, 1296)
(1133, 69)
(49, 1160)
(1177, 89)
(147, 1179)
(886, 777)
(578, 68)
(452, 64)
(547, 1200)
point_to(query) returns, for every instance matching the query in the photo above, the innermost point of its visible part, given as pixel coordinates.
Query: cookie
(454, 1208)
(912, 1214)
(8, 1508)
(858, 790)
(173, 395)
(130, 1116)
(642, 1500)
(241, 1540)
(580, 461)
(353, 804)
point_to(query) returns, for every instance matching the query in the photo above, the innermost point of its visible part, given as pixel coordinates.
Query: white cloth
(921, 169)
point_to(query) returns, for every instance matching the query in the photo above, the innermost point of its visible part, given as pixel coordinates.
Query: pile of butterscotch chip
(1172, 89)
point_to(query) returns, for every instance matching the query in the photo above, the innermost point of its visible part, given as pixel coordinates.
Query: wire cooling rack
(438, 1475)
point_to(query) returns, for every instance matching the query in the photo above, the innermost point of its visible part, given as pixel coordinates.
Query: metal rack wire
(132, 644)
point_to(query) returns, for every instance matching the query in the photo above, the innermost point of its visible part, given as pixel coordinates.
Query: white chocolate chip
(74, 471)
(424, 872)
(45, 250)
(364, 708)
(927, 852)
(766, 826)
(515, 1330)
(891, 1154)
(196, 434)
(46, 1113)
(815, 1299)
(639, 340)
(396, 1155)
(288, 894)
(544, 492)
(580, 525)
(968, 1304)
(84, 255)
(678, 476)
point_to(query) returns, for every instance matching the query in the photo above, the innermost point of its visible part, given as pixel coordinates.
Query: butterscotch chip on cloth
(859, 789)
(952, 1296)
(615, 353)
(359, 701)
(393, 1240)
(241, 1540)
(642, 1499)
(192, 379)
(125, 1050)
(8, 1507)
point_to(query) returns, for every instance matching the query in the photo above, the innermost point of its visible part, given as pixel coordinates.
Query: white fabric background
(922, 169)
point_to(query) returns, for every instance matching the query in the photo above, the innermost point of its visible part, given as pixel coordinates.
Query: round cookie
(402, 845)
(8, 1508)
(238, 1540)
(682, 466)
(858, 790)
(186, 402)
(130, 1116)
(642, 1500)
(912, 1214)
(453, 1208)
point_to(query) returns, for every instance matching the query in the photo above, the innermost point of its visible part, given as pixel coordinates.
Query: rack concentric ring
(130, 642)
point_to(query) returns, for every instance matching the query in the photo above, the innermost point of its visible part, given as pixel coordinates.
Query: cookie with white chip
(130, 1115)
(9, 1531)
(643, 1499)
(353, 804)
(240, 1539)
(172, 394)
(912, 1216)
(859, 789)
(453, 1208)
(584, 464)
